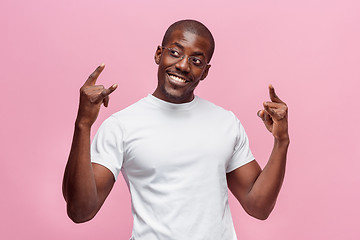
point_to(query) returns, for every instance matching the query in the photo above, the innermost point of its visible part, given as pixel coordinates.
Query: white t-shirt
(174, 159)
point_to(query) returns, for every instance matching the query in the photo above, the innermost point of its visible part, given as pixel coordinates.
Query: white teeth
(177, 78)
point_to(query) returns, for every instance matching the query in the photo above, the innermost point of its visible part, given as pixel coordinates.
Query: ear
(158, 55)
(206, 71)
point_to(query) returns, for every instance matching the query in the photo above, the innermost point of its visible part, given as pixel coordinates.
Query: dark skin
(189, 44)
(86, 185)
(257, 189)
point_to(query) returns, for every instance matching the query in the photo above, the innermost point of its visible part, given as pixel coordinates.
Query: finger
(269, 108)
(107, 92)
(106, 101)
(274, 105)
(259, 113)
(94, 76)
(273, 95)
(267, 120)
(276, 110)
(264, 116)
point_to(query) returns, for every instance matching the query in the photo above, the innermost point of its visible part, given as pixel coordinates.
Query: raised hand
(275, 116)
(91, 98)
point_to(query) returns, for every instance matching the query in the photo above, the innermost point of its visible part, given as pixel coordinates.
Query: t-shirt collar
(172, 106)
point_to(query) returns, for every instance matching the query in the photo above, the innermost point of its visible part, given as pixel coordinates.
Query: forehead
(189, 41)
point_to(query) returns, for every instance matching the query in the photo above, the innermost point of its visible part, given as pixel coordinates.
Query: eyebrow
(193, 54)
(178, 45)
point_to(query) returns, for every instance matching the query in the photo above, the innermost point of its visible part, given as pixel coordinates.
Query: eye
(174, 53)
(196, 61)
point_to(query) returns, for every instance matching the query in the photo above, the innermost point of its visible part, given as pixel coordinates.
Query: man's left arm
(257, 189)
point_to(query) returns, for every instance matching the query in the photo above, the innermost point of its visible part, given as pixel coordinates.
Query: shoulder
(216, 110)
(221, 116)
(117, 118)
(133, 108)
(135, 111)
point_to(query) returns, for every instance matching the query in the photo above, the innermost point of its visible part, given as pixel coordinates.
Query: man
(178, 153)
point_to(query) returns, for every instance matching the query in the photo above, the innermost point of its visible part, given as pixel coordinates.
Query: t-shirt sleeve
(107, 146)
(242, 153)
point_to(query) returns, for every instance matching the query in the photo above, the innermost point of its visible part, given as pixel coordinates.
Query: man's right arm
(86, 185)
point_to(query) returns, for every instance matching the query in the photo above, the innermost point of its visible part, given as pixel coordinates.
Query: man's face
(178, 77)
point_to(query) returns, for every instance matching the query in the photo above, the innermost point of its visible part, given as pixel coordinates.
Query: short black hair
(192, 26)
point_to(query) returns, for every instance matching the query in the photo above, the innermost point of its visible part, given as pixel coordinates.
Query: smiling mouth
(177, 79)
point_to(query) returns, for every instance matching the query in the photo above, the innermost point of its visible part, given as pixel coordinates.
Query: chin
(176, 96)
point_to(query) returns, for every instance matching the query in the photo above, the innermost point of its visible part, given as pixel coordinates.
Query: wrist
(284, 141)
(82, 124)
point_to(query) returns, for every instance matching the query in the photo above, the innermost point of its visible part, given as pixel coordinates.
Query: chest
(178, 144)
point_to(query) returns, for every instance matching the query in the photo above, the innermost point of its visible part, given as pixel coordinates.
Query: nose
(183, 65)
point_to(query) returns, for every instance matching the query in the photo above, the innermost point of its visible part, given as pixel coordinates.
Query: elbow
(77, 219)
(260, 211)
(79, 214)
(260, 215)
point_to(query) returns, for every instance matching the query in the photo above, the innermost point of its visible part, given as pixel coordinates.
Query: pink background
(309, 50)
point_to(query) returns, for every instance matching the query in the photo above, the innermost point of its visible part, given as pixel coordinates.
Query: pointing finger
(273, 95)
(94, 76)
